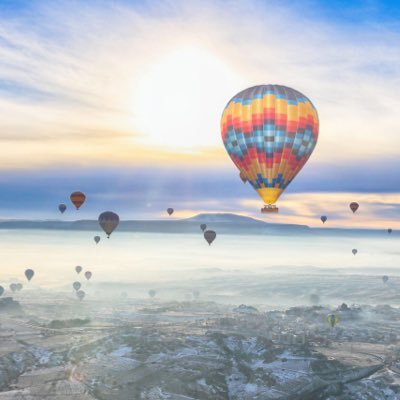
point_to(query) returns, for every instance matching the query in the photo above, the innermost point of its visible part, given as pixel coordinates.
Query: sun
(177, 102)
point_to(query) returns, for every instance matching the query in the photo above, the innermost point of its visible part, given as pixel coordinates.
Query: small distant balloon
(78, 269)
(354, 251)
(333, 320)
(385, 278)
(170, 211)
(196, 293)
(29, 274)
(97, 239)
(324, 218)
(80, 294)
(62, 208)
(354, 206)
(108, 221)
(152, 293)
(203, 227)
(76, 285)
(390, 230)
(1, 290)
(19, 287)
(210, 236)
(13, 287)
(243, 177)
(77, 199)
(88, 275)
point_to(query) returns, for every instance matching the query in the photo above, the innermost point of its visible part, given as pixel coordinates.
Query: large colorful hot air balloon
(333, 320)
(77, 198)
(210, 236)
(108, 222)
(354, 206)
(62, 208)
(29, 274)
(269, 131)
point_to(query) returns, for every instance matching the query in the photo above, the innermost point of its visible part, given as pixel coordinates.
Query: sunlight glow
(178, 101)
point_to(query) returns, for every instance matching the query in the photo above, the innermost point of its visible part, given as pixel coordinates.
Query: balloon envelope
(333, 320)
(13, 287)
(1, 290)
(97, 239)
(385, 278)
(324, 218)
(170, 211)
(80, 294)
(269, 132)
(210, 236)
(19, 286)
(354, 206)
(152, 293)
(108, 221)
(76, 285)
(78, 269)
(29, 274)
(62, 208)
(77, 198)
(88, 275)
(390, 230)
(354, 251)
(203, 227)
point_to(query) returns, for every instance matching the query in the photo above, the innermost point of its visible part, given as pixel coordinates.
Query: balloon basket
(269, 209)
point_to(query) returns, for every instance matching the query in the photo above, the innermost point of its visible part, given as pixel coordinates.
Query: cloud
(71, 83)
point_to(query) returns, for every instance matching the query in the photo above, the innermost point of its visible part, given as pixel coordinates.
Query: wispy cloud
(72, 71)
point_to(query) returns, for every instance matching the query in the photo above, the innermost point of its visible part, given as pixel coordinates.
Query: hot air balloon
(269, 131)
(210, 236)
(77, 198)
(203, 227)
(78, 269)
(333, 320)
(1, 290)
(354, 251)
(170, 211)
(80, 294)
(108, 222)
(29, 274)
(324, 218)
(62, 208)
(88, 275)
(13, 287)
(385, 278)
(97, 239)
(354, 206)
(152, 293)
(19, 286)
(76, 285)
(243, 177)
(390, 230)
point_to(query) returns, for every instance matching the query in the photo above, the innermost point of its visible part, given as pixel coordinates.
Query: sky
(122, 100)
